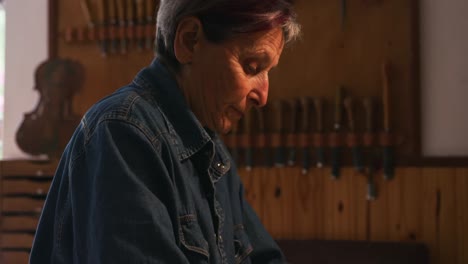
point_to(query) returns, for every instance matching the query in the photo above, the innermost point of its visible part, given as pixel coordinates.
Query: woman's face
(224, 80)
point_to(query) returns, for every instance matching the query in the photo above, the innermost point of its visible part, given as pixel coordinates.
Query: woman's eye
(251, 69)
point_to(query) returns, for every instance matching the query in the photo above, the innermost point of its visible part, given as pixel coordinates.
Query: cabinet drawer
(14, 257)
(24, 168)
(16, 241)
(19, 223)
(29, 187)
(22, 205)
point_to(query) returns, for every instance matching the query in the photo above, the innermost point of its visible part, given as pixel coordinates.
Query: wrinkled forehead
(269, 42)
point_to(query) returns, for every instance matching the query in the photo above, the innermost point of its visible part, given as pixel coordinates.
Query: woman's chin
(224, 129)
(224, 126)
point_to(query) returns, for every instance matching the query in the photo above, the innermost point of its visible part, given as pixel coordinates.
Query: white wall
(26, 47)
(444, 77)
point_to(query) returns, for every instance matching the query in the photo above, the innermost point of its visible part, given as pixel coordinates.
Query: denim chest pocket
(194, 245)
(242, 245)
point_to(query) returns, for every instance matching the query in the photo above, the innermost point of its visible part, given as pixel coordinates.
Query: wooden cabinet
(14, 257)
(23, 187)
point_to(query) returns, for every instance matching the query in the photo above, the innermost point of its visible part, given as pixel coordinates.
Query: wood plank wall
(428, 205)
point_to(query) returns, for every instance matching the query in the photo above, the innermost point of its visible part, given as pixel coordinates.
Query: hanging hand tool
(292, 131)
(130, 10)
(304, 133)
(247, 140)
(352, 139)
(260, 139)
(150, 23)
(276, 140)
(102, 39)
(233, 143)
(319, 136)
(335, 140)
(140, 27)
(369, 144)
(112, 25)
(386, 139)
(86, 12)
(89, 20)
(343, 13)
(371, 188)
(122, 22)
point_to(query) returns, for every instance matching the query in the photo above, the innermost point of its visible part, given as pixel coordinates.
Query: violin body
(47, 129)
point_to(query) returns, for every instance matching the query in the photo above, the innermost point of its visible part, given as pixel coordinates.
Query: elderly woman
(145, 177)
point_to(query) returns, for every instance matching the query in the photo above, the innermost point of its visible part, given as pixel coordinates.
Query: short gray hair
(221, 19)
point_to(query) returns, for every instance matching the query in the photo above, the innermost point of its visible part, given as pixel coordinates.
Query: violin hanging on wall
(47, 129)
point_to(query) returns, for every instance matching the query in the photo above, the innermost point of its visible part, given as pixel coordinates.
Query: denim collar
(182, 123)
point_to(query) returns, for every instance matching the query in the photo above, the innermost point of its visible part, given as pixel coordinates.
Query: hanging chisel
(112, 25)
(102, 39)
(260, 139)
(371, 188)
(140, 27)
(335, 140)
(343, 13)
(352, 139)
(130, 11)
(150, 23)
(233, 143)
(304, 133)
(369, 144)
(292, 131)
(89, 20)
(319, 136)
(247, 140)
(122, 23)
(388, 163)
(87, 13)
(276, 140)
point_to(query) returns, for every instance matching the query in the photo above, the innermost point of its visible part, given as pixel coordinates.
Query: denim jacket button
(220, 239)
(221, 167)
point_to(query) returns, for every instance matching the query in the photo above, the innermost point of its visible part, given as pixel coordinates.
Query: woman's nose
(259, 95)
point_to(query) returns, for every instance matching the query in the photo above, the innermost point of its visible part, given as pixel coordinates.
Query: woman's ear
(186, 38)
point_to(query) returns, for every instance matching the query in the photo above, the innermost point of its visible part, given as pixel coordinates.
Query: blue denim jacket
(141, 181)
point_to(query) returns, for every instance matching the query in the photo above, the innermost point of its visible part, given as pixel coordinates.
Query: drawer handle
(40, 191)
(38, 210)
(39, 173)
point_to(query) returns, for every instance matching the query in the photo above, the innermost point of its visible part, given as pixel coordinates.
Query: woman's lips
(235, 113)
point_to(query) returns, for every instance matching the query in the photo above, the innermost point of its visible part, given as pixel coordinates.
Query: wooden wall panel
(393, 214)
(447, 216)
(461, 191)
(428, 205)
(308, 211)
(430, 210)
